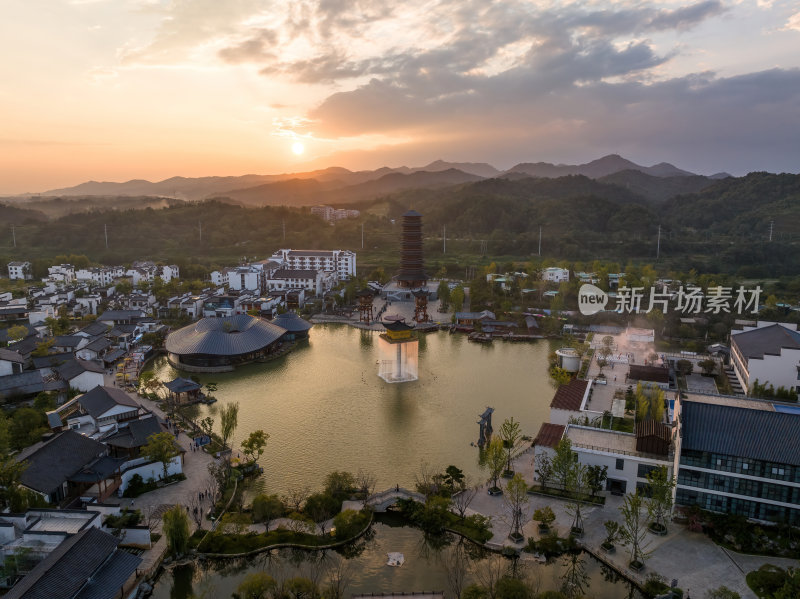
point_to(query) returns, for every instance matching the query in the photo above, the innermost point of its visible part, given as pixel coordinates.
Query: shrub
(349, 523)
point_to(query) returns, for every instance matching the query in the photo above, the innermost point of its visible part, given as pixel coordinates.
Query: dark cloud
(702, 122)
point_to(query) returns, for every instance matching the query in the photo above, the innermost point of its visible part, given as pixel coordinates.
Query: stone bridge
(379, 502)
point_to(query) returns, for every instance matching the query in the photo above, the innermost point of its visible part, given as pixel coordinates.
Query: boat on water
(480, 338)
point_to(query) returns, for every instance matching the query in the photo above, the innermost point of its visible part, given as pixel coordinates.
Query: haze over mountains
(337, 185)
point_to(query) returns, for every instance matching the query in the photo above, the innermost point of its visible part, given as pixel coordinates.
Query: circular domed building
(220, 344)
(297, 327)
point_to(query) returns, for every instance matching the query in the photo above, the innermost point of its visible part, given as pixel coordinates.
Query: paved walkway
(186, 492)
(693, 559)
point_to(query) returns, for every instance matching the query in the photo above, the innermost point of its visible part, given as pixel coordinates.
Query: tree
(707, 366)
(229, 419)
(27, 427)
(267, 508)
(160, 447)
(300, 588)
(254, 445)
(512, 588)
(10, 473)
(340, 484)
(722, 592)
(595, 477)
(321, 507)
(457, 298)
(634, 528)
(495, 461)
(43, 348)
(575, 486)
(516, 498)
(256, 585)
(613, 532)
(563, 463)
(453, 478)
(295, 497)
(365, 482)
(510, 433)
(207, 425)
(659, 504)
(443, 292)
(649, 403)
(463, 497)
(544, 469)
(455, 563)
(16, 332)
(545, 516)
(684, 367)
(176, 528)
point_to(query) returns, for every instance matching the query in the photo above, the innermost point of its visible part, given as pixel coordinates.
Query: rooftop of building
(601, 439)
(771, 436)
(763, 341)
(229, 336)
(549, 435)
(570, 396)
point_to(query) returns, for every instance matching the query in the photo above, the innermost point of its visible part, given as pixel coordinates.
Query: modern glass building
(742, 457)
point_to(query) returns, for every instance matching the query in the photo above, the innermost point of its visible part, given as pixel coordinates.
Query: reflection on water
(326, 409)
(429, 566)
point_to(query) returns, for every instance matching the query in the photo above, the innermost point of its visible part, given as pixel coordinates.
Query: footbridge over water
(380, 502)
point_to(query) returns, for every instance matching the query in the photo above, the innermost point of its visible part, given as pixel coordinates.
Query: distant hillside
(607, 165)
(657, 189)
(308, 192)
(742, 206)
(481, 169)
(15, 215)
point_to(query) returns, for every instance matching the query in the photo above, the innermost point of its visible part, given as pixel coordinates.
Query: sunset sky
(121, 89)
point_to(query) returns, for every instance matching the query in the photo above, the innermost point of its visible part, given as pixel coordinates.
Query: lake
(325, 408)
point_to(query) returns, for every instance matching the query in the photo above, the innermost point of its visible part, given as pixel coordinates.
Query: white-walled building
(20, 270)
(103, 275)
(314, 282)
(340, 262)
(61, 273)
(555, 274)
(768, 353)
(245, 278)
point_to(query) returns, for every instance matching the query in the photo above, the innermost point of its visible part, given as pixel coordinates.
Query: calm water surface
(422, 570)
(326, 409)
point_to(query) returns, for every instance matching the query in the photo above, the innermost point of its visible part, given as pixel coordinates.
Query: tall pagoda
(412, 267)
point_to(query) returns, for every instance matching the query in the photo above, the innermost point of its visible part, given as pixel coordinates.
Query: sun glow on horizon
(298, 148)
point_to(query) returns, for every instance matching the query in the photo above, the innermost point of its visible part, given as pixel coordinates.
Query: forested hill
(723, 227)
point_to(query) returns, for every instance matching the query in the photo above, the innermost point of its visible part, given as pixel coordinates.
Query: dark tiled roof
(182, 385)
(291, 322)
(753, 434)
(230, 336)
(68, 567)
(570, 396)
(23, 383)
(100, 400)
(549, 435)
(766, 341)
(113, 355)
(122, 329)
(69, 370)
(136, 433)
(106, 582)
(654, 374)
(27, 345)
(99, 469)
(52, 462)
(115, 315)
(310, 253)
(52, 360)
(287, 273)
(95, 328)
(10, 356)
(68, 340)
(98, 344)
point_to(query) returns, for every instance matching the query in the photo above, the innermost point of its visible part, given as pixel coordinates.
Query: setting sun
(298, 148)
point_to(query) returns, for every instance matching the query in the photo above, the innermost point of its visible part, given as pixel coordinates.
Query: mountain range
(338, 185)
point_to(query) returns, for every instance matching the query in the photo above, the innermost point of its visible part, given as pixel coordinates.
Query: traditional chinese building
(399, 352)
